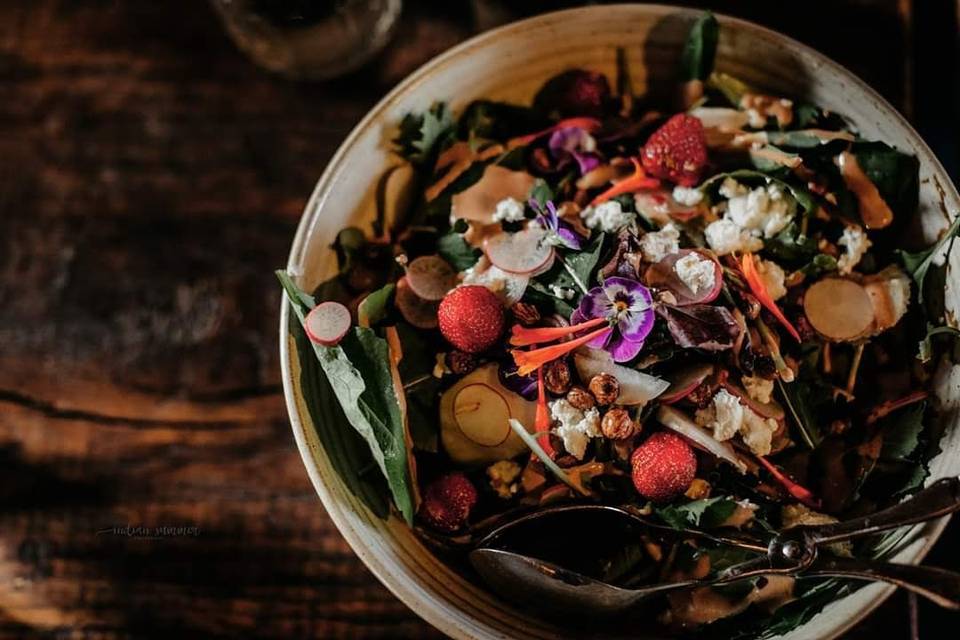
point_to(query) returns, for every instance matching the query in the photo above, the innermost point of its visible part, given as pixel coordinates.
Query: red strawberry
(677, 151)
(663, 467)
(471, 318)
(447, 502)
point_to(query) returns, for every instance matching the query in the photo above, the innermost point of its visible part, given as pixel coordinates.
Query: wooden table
(150, 180)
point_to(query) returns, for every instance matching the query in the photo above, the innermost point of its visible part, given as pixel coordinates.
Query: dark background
(150, 180)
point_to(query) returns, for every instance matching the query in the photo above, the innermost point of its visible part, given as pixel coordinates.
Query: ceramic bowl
(509, 64)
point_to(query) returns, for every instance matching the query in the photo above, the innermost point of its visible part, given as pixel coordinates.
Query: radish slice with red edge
(663, 275)
(431, 277)
(419, 312)
(523, 252)
(327, 323)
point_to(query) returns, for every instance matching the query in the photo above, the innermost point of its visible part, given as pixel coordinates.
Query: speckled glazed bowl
(509, 64)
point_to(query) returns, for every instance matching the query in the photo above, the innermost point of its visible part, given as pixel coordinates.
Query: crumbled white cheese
(562, 292)
(508, 210)
(724, 237)
(575, 427)
(730, 188)
(607, 216)
(687, 196)
(760, 389)
(856, 242)
(658, 244)
(727, 417)
(750, 214)
(697, 272)
(772, 277)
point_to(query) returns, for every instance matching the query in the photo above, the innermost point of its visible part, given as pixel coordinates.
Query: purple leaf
(700, 326)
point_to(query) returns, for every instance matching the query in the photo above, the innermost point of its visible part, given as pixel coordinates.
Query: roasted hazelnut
(618, 425)
(525, 313)
(461, 363)
(556, 376)
(605, 388)
(580, 398)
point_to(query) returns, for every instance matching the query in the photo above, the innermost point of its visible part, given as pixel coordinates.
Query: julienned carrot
(637, 181)
(802, 494)
(759, 290)
(542, 418)
(529, 361)
(521, 336)
(587, 124)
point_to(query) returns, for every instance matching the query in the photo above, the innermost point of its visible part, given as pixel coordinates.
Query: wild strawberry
(447, 502)
(663, 467)
(471, 318)
(677, 151)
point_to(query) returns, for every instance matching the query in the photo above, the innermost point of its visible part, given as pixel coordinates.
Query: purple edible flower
(574, 143)
(559, 232)
(628, 306)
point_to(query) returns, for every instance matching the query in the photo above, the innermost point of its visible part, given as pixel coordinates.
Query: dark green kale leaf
(423, 135)
(568, 266)
(455, 250)
(895, 174)
(700, 50)
(377, 305)
(790, 246)
(708, 513)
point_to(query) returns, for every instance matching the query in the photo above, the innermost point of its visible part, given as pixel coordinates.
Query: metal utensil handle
(939, 499)
(937, 585)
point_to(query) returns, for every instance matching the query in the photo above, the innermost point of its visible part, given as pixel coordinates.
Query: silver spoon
(794, 552)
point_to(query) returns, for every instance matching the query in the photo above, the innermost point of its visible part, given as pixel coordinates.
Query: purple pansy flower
(574, 143)
(628, 306)
(559, 233)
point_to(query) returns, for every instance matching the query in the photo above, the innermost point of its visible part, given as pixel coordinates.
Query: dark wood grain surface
(150, 180)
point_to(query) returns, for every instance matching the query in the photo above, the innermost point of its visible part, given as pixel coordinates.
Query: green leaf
(901, 432)
(422, 388)
(925, 348)
(708, 513)
(790, 246)
(700, 50)
(455, 250)
(819, 265)
(581, 263)
(541, 192)
(918, 263)
(376, 305)
(895, 174)
(358, 370)
(805, 400)
(422, 135)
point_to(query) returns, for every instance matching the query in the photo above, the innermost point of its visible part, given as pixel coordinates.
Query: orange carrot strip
(802, 494)
(529, 361)
(542, 418)
(521, 336)
(759, 291)
(635, 182)
(588, 124)
(886, 408)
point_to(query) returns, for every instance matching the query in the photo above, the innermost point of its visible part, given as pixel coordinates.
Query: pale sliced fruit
(889, 293)
(721, 118)
(478, 202)
(523, 252)
(474, 416)
(685, 381)
(636, 387)
(327, 323)
(431, 277)
(699, 436)
(414, 309)
(839, 309)
(772, 409)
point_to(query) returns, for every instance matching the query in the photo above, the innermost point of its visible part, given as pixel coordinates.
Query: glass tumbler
(310, 39)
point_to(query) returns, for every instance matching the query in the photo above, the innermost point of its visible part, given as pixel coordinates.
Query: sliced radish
(523, 252)
(415, 310)
(327, 323)
(685, 382)
(431, 277)
(700, 437)
(771, 409)
(664, 275)
(636, 387)
(838, 309)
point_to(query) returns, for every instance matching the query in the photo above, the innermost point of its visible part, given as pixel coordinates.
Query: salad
(698, 305)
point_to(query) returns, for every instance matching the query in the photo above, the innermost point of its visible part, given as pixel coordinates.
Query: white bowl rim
(932, 531)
